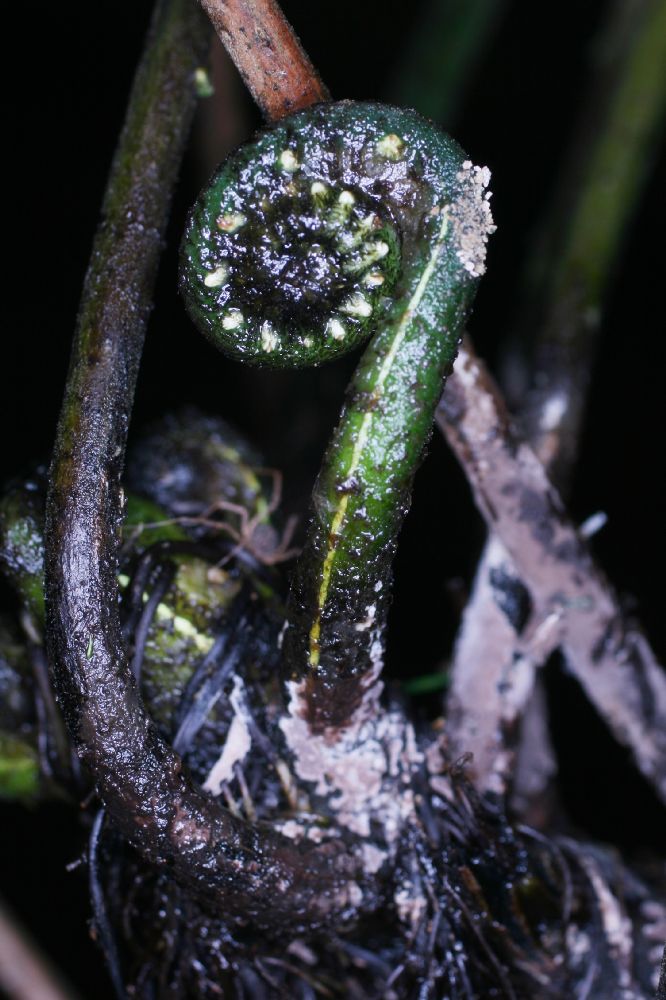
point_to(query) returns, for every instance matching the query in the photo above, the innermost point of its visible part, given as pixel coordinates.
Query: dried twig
(601, 183)
(612, 661)
(267, 54)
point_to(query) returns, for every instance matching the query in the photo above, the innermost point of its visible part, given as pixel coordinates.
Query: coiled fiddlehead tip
(344, 220)
(293, 250)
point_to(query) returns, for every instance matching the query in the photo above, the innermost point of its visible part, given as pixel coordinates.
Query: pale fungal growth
(233, 319)
(357, 305)
(391, 147)
(231, 222)
(373, 279)
(217, 277)
(410, 905)
(368, 621)
(269, 337)
(471, 218)
(336, 329)
(373, 858)
(366, 772)
(289, 161)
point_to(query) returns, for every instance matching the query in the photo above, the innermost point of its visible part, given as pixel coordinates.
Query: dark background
(66, 103)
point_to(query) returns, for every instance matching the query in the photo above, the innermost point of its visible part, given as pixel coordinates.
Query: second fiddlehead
(340, 221)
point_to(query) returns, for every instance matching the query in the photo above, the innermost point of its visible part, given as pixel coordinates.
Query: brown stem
(613, 663)
(267, 54)
(250, 873)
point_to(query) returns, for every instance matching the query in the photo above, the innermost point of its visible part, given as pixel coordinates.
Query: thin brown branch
(267, 54)
(612, 661)
(24, 972)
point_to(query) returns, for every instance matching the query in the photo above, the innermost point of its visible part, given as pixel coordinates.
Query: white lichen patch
(233, 319)
(365, 772)
(357, 305)
(288, 160)
(336, 329)
(231, 222)
(217, 277)
(269, 337)
(471, 218)
(391, 146)
(237, 744)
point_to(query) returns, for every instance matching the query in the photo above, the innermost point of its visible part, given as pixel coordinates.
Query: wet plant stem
(249, 873)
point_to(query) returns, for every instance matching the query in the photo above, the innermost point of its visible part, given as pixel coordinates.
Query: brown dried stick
(267, 54)
(578, 609)
(601, 182)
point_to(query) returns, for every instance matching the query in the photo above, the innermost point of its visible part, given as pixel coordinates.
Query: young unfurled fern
(344, 220)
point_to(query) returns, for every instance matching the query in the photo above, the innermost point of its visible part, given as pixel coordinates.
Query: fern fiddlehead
(340, 221)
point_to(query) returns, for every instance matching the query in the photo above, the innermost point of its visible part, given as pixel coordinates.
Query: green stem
(617, 139)
(339, 218)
